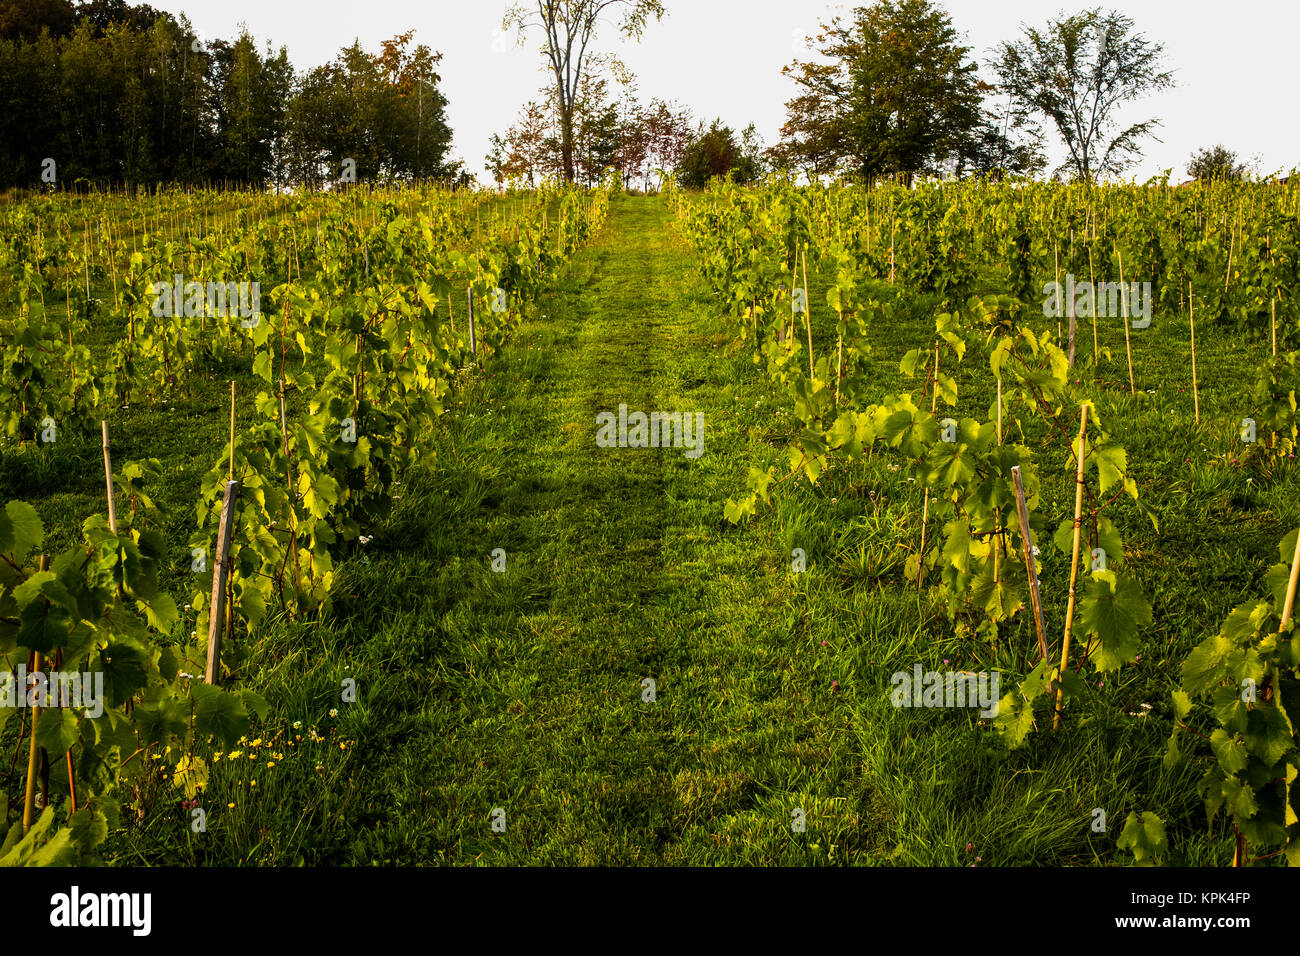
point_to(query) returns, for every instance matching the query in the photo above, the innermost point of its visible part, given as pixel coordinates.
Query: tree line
(109, 93)
(890, 91)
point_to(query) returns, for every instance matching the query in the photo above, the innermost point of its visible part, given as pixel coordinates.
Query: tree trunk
(566, 142)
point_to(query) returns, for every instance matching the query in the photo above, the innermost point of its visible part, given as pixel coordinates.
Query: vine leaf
(1113, 608)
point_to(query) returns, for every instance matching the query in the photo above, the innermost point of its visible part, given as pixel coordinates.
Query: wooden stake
(220, 576)
(1074, 563)
(231, 476)
(1022, 510)
(807, 316)
(1272, 322)
(1196, 394)
(1092, 275)
(1056, 266)
(284, 423)
(925, 512)
(108, 479)
(1123, 299)
(34, 753)
(1289, 605)
(473, 341)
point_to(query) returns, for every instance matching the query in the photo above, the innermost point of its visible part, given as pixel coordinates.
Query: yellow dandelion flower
(230, 806)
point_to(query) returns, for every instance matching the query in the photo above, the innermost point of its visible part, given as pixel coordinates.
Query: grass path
(524, 689)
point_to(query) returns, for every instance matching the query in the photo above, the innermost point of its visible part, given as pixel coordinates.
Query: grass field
(524, 690)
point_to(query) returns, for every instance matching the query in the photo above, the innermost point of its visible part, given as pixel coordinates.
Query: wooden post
(925, 512)
(1022, 510)
(1289, 606)
(473, 341)
(1123, 299)
(108, 479)
(1272, 322)
(29, 800)
(1092, 276)
(1196, 391)
(284, 424)
(34, 752)
(807, 317)
(220, 575)
(231, 476)
(1074, 563)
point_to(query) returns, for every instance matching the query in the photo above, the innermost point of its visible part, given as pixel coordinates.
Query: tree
(667, 130)
(715, 152)
(1215, 162)
(570, 26)
(384, 112)
(893, 92)
(1079, 71)
(524, 154)
(25, 19)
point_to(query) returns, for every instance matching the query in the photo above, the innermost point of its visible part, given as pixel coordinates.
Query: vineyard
(313, 487)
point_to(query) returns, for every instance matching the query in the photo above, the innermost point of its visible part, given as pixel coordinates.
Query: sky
(1233, 64)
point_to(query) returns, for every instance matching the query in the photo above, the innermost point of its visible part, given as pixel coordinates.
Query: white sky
(1234, 63)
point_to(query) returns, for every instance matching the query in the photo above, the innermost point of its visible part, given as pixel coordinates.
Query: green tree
(1079, 71)
(715, 152)
(570, 26)
(893, 92)
(1215, 162)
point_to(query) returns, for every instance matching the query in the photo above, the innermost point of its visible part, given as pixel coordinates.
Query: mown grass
(523, 690)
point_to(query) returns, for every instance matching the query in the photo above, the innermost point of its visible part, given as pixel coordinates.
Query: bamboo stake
(807, 316)
(108, 478)
(473, 341)
(1074, 563)
(925, 513)
(34, 752)
(220, 574)
(997, 531)
(231, 476)
(1289, 605)
(1196, 393)
(1272, 322)
(1092, 275)
(1056, 266)
(1022, 510)
(1123, 299)
(29, 799)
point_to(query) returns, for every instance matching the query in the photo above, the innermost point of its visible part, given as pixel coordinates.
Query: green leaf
(37, 848)
(57, 729)
(1268, 733)
(1114, 609)
(1203, 668)
(21, 530)
(1230, 752)
(1144, 836)
(126, 670)
(218, 713)
(1111, 460)
(1015, 719)
(43, 627)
